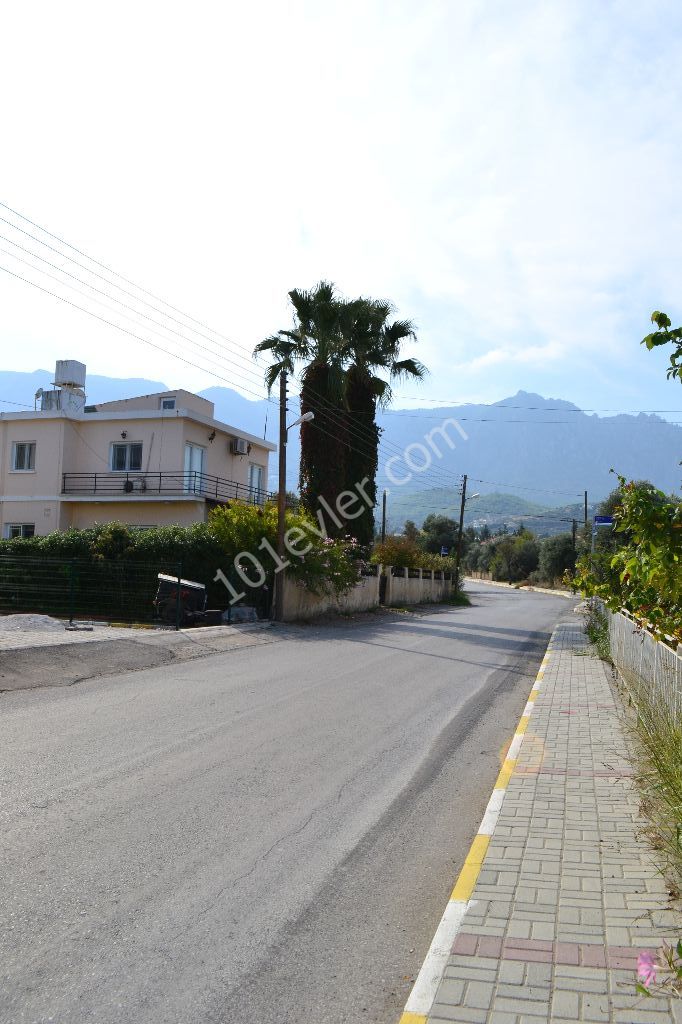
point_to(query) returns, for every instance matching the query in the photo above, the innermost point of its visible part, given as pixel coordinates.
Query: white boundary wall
(401, 589)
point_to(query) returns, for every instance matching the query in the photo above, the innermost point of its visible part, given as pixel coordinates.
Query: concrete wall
(300, 603)
(144, 512)
(402, 589)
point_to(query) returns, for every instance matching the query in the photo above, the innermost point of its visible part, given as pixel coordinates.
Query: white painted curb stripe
(512, 754)
(492, 811)
(425, 987)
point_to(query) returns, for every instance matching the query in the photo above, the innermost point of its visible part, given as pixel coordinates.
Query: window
(24, 457)
(256, 480)
(167, 403)
(194, 468)
(126, 457)
(14, 530)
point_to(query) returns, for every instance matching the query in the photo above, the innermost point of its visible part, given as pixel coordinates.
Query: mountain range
(545, 450)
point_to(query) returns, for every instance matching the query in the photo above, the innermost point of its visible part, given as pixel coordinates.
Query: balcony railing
(134, 485)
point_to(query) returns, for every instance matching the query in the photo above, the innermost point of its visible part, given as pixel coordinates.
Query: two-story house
(155, 460)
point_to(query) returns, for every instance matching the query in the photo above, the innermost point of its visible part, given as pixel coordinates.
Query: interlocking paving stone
(569, 894)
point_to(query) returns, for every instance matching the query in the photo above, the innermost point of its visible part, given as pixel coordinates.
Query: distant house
(155, 460)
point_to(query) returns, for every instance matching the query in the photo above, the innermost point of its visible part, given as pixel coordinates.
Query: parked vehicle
(186, 609)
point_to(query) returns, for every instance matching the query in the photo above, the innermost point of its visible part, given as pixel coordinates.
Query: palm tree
(315, 340)
(371, 343)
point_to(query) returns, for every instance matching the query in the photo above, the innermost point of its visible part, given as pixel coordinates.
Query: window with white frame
(19, 530)
(126, 457)
(24, 457)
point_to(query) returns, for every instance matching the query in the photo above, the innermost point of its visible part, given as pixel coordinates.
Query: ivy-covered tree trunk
(362, 455)
(323, 446)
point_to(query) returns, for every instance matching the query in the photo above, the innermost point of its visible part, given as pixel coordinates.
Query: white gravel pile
(30, 623)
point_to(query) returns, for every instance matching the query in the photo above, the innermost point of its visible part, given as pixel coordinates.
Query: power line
(521, 487)
(110, 323)
(7, 401)
(494, 419)
(361, 433)
(87, 284)
(114, 273)
(452, 403)
(138, 337)
(113, 298)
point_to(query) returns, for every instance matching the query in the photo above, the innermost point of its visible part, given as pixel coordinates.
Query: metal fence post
(72, 588)
(178, 615)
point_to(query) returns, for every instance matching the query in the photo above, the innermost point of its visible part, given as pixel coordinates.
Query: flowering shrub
(661, 975)
(320, 564)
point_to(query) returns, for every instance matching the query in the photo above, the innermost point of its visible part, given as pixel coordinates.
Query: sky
(507, 173)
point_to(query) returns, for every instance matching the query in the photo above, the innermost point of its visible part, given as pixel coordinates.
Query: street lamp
(282, 487)
(305, 418)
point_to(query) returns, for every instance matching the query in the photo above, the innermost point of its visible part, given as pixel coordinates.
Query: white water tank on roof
(69, 373)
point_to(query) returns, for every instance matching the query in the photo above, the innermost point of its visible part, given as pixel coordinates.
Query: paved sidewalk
(567, 895)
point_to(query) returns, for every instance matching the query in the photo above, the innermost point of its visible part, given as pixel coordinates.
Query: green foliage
(407, 554)
(439, 532)
(666, 335)
(411, 530)
(645, 574)
(117, 556)
(557, 557)
(658, 759)
(515, 558)
(597, 629)
(323, 565)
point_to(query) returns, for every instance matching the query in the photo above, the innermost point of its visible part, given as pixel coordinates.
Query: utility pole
(383, 518)
(281, 494)
(461, 528)
(585, 508)
(574, 529)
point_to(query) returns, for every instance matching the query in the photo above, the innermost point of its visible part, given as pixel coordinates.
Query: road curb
(527, 589)
(422, 996)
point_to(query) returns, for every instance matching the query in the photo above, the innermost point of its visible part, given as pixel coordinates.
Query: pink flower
(646, 969)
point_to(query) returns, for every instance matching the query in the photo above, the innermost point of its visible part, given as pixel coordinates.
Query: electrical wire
(114, 299)
(7, 401)
(110, 323)
(360, 433)
(89, 270)
(454, 404)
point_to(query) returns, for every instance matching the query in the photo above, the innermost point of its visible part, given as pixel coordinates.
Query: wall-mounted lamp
(124, 434)
(211, 436)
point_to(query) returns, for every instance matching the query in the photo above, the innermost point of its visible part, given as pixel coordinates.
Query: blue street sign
(603, 520)
(444, 552)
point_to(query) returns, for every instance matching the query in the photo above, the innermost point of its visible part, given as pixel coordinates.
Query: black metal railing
(125, 484)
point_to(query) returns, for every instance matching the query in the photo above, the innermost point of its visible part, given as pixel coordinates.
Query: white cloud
(508, 174)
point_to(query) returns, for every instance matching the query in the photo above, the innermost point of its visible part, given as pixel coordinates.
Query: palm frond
(404, 368)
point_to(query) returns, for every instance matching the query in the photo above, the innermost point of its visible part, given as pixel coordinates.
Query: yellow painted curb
(523, 725)
(412, 1018)
(464, 886)
(506, 773)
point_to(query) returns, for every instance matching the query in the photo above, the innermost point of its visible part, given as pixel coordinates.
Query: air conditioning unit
(239, 446)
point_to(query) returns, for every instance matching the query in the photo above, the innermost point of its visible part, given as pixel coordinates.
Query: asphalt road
(267, 835)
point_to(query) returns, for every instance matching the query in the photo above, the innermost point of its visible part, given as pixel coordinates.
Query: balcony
(167, 485)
